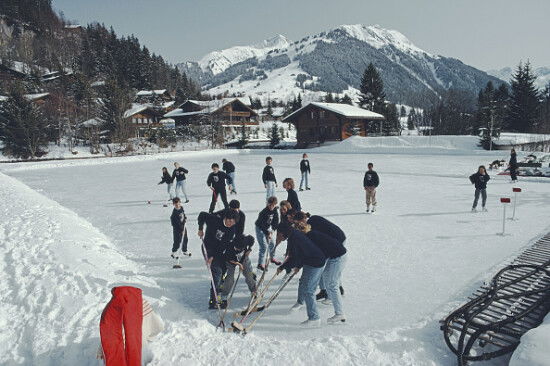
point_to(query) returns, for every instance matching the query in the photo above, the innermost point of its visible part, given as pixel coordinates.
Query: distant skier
(229, 169)
(292, 198)
(216, 182)
(235, 206)
(266, 225)
(513, 165)
(268, 177)
(167, 178)
(305, 169)
(220, 233)
(179, 231)
(370, 182)
(179, 176)
(480, 180)
(235, 255)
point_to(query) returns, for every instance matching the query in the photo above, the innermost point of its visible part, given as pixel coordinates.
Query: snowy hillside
(333, 61)
(542, 74)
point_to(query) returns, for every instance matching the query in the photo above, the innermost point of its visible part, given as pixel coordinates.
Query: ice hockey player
(179, 176)
(370, 182)
(216, 182)
(178, 220)
(303, 254)
(235, 255)
(480, 180)
(513, 165)
(229, 169)
(167, 178)
(219, 235)
(331, 277)
(235, 205)
(266, 225)
(305, 170)
(292, 198)
(319, 223)
(285, 208)
(268, 177)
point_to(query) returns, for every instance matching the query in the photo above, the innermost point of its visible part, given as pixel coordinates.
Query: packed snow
(70, 230)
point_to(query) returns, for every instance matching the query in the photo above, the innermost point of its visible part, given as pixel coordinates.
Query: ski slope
(71, 230)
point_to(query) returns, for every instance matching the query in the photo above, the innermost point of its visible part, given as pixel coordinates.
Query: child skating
(305, 170)
(292, 198)
(179, 231)
(370, 182)
(179, 176)
(266, 225)
(229, 169)
(268, 177)
(480, 180)
(216, 182)
(167, 178)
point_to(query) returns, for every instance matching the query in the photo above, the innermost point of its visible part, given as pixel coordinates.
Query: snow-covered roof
(142, 93)
(218, 103)
(91, 122)
(36, 96)
(345, 110)
(180, 113)
(136, 108)
(98, 83)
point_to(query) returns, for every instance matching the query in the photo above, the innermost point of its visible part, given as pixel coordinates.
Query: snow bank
(533, 349)
(56, 271)
(404, 145)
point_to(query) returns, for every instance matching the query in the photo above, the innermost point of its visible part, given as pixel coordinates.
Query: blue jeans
(169, 189)
(270, 189)
(331, 277)
(322, 285)
(263, 244)
(232, 180)
(306, 289)
(305, 175)
(180, 186)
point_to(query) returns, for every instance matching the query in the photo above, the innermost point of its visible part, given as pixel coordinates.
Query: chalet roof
(91, 122)
(345, 110)
(178, 112)
(142, 93)
(140, 107)
(218, 103)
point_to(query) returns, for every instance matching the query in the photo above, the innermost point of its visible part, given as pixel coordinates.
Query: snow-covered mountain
(333, 61)
(542, 74)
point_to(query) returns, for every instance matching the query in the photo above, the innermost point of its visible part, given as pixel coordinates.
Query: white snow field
(71, 230)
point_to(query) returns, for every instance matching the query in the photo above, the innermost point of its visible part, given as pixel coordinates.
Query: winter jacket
(217, 180)
(239, 225)
(218, 236)
(319, 223)
(228, 167)
(480, 180)
(513, 160)
(235, 252)
(293, 200)
(179, 174)
(302, 252)
(330, 247)
(304, 166)
(178, 219)
(371, 179)
(267, 219)
(166, 178)
(269, 174)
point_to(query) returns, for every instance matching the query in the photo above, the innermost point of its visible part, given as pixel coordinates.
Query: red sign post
(516, 191)
(504, 201)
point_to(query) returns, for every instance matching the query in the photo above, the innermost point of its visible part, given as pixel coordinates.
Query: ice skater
(292, 198)
(179, 176)
(266, 225)
(216, 182)
(480, 180)
(370, 182)
(268, 177)
(238, 255)
(179, 231)
(513, 165)
(167, 178)
(305, 170)
(229, 169)
(235, 205)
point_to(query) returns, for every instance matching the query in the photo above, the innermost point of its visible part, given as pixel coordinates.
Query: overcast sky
(486, 34)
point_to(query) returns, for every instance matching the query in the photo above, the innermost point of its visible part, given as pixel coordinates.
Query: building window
(312, 115)
(322, 114)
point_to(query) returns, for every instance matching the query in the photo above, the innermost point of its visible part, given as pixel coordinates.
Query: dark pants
(483, 197)
(513, 172)
(180, 238)
(215, 194)
(218, 269)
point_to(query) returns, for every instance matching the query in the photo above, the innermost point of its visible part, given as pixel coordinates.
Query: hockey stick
(230, 298)
(205, 255)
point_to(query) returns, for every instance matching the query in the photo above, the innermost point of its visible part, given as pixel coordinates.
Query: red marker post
(504, 201)
(516, 191)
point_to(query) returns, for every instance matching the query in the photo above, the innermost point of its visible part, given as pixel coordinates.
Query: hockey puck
(165, 205)
(148, 202)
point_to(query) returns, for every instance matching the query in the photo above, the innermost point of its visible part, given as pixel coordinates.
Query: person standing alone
(216, 182)
(370, 182)
(480, 180)
(513, 164)
(268, 177)
(229, 169)
(305, 169)
(179, 176)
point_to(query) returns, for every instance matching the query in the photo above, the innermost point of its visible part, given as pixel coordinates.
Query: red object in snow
(505, 200)
(123, 312)
(516, 189)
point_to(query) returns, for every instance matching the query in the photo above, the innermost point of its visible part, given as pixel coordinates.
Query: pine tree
(274, 136)
(346, 100)
(23, 128)
(524, 102)
(391, 125)
(329, 98)
(544, 125)
(112, 109)
(372, 95)
(411, 119)
(403, 112)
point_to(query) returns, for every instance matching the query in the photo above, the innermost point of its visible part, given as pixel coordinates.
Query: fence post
(516, 191)
(504, 201)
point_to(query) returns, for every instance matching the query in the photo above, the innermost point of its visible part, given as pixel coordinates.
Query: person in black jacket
(220, 233)
(167, 178)
(229, 169)
(216, 182)
(370, 182)
(178, 220)
(179, 176)
(266, 225)
(480, 180)
(268, 177)
(304, 254)
(241, 219)
(292, 198)
(335, 252)
(513, 164)
(305, 170)
(238, 255)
